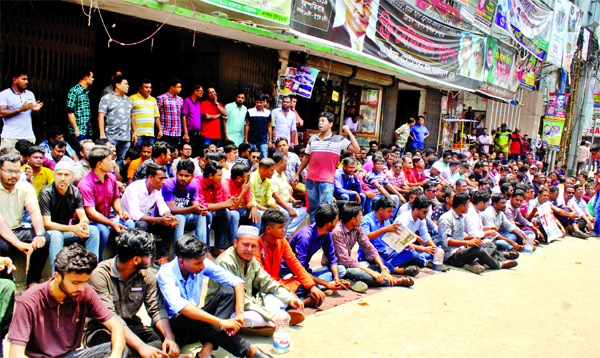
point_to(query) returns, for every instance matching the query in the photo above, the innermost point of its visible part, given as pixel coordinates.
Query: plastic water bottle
(528, 248)
(281, 336)
(438, 259)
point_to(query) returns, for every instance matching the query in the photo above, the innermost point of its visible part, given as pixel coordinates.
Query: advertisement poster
(273, 10)
(500, 70)
(597, 103)
(486, 9)
(557, 106)
(396, 33)
(304, 81)
(528, 22)
(552, 133)
(559, 32)
(439, 10)
(528, 70)
(573, 27)
(548, 221)
(554, 121)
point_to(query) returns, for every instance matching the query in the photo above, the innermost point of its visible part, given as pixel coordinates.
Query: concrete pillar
(388, 118)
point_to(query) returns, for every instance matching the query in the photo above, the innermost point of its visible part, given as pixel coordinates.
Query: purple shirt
(193, 116)
(344, 241)
(305, 243)
(182, 199)
(97, 194)
(51, 329)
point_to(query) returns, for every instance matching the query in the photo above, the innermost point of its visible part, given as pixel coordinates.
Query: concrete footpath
(548, 306)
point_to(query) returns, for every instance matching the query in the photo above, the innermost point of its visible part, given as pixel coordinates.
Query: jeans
(187, 330)
(163, 235)
(228, 225)
(318, 193)
(101, 335)
(357, 274)
(38, 256)
(122, 147)
(597, 211)
(106, 230)
(293, 223)
(144, 139)
(263, 146)
(467, 255)
(74, 141)
(214, 141)
(190, 219)
(99, 351)
(171, 140)
(325, 274)
(392, 258)
(363, 199)
(433, 230)
(59, 239)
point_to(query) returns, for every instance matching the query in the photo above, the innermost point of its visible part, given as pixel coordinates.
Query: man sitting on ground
(264, 295)
(124, 284)
(37, 174)
(145, 154)
(273, 248)
(462, 250)
(312, 238)
(377, 181)
(161, 155)
(507, 231)
(420, 252)
(282, 193)
(180, 282)
(49, 318)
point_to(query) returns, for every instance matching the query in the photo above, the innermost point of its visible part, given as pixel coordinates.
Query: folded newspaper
(400, 238)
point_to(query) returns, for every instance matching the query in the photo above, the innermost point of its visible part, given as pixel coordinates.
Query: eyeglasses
(570, 193)
(398, 166)
(253, 157)
(12, 172)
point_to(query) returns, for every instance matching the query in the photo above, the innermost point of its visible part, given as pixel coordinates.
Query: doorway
(408, 106)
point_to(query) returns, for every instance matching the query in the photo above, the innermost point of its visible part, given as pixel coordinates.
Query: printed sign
(273, 10)
(304, 81)
(398, 240)
(573, 27)
(548, 221)
(559, 32)
(500, 70)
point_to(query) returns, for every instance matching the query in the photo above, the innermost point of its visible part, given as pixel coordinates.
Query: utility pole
(576, 132)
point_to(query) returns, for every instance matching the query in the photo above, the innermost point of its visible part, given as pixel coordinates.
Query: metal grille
(248, 68)
(501, 112)
(50, 40)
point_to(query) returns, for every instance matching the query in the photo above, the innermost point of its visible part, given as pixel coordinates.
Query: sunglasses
(253, 157)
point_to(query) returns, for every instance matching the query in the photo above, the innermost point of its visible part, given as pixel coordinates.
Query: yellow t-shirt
(144, 111)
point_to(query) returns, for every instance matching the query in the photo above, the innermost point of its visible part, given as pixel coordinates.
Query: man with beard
(213, 113)
(236, 119)
(257, 131)
(49, 318)
(16, 106)
(123, 284)
(284, 122)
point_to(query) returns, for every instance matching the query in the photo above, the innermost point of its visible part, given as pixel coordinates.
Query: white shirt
(138, 202)
(19, 125)
(486, 141)
(416, 226)
(473, 223)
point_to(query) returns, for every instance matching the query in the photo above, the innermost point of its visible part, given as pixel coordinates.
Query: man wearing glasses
(567, 216)
(15, 196)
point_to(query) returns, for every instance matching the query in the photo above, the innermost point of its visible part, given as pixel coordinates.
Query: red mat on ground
(341, 297)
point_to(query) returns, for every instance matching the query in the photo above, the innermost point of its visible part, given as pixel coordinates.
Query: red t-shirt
(324, 157)
(51, 329)
(210, 128)
(515, 145)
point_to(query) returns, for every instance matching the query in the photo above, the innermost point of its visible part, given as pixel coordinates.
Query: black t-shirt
(258, 129)
(60, 208)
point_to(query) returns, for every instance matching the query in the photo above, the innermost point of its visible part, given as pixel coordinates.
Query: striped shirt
(324, 156)
(144, 111)
(262, 191)
(170, 114)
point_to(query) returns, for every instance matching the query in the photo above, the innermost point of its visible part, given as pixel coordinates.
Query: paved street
(547, 306)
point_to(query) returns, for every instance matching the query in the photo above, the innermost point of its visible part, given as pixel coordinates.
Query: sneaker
(511, 255)
(475, 268)
(579, 234)
(359, 287)
(508, 264)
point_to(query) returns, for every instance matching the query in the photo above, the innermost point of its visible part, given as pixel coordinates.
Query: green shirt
(503, 138)
(403, 133)
(257, 283)
(236, 120)
(262, 191)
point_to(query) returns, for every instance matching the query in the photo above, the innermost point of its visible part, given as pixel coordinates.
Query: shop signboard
(500, 70)
(556, 45)
(528, 22)
(272, 10)
(304, 81)
(554, 121)
(573, 27)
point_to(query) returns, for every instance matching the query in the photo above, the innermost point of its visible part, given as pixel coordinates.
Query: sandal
(411, 271)
(403, 281)
(511, 255)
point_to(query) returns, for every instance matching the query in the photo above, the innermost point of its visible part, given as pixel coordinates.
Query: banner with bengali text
(272, 10)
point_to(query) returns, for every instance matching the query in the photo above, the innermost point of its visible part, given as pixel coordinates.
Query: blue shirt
(343, 185)
(418, 132)
(372, 178)
(179, 292)
(305, 243)
(369, 224)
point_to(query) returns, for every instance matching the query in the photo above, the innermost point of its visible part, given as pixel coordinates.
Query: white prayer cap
(247, 230)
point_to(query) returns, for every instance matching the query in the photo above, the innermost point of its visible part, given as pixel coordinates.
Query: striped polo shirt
(144, 111)
(324, 156)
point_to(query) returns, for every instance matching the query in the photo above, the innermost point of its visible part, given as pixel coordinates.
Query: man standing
(16, 106)
(78, 109)
(418, 134)
(502, 140)
(257, 131)
(516, 141)
(50, 318)
(124, 284)
(60, 202)
(584, 155)
(352, 122)
(213, 113)
(284, 122)
(101, 196)
(181, 195)
(180, 282)
(282, 193)
(236, 118)
(117, 109)
(485, 140)
(299, 120)
(264, 295)
(323, 154)
(169, 106)
(143, 200)
(15, 196)
(191, 117)
(402, 134)
(145, 113)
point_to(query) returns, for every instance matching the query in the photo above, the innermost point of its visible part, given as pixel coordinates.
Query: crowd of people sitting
(252, 224)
